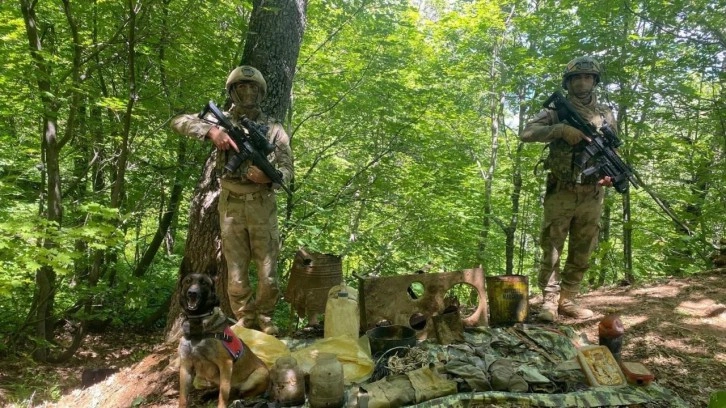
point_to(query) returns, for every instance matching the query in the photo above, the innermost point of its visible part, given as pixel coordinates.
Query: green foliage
(44, 385)
(394, 107)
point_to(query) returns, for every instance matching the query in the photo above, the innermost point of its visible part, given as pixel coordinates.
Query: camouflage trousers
(249, 232)
(574, 211)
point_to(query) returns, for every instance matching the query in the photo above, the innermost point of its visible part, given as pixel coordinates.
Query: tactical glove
(569, 134)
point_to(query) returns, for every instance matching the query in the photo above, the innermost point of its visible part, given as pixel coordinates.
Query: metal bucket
(311, 276)
(385, 338)
(508, 297)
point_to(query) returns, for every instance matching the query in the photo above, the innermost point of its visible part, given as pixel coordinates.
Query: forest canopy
(404, 123)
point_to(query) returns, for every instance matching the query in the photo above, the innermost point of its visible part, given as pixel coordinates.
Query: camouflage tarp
(653, 395)
(544, 357)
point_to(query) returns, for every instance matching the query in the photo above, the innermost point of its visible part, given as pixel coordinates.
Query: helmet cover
(247, 73)
(581, 65)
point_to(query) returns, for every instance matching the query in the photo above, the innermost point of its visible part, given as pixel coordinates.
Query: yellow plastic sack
(267, 348)
(357, 365)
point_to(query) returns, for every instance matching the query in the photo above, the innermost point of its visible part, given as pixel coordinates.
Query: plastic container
(327, 387)
(288, 382)
(342, 316)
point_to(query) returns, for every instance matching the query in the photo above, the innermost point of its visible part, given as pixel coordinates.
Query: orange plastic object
(637, 373)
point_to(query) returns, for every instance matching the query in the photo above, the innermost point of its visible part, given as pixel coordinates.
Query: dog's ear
(215, 299)
(212, 298)
(213, 275)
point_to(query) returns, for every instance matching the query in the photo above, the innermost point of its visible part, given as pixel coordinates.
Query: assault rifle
(252, 145)
(601, 147)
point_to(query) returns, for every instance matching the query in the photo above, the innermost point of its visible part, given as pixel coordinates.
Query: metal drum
(508, 297)
(311, 276)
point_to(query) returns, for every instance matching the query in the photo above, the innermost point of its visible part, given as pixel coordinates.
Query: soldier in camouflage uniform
(572, 203)
(247, 206)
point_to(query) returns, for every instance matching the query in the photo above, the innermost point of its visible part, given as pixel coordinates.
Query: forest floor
(676, 328)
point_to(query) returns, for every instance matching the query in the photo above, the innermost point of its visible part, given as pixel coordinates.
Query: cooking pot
(385, 338)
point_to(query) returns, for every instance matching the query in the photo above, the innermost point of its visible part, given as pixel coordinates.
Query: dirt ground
(676, 328)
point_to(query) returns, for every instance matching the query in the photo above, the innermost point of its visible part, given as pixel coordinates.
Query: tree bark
(45, 276)
(272, 45)
(627, 240)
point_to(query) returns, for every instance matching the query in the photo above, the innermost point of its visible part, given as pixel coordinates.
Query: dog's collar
(204, 325)
(201, 316)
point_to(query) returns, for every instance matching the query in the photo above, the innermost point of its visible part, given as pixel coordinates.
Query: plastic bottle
(288, 382)
(327, 386)
(610, 333)
(342, 316)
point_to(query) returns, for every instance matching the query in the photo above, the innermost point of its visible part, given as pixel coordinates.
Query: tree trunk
(168, 216)
(515, 199)
(45, 275)
(272, 46)
(627, 240)
(118, 190)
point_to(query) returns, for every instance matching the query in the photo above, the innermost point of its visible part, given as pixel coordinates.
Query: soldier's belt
(240, 188)
(248, 197)
(245, 192)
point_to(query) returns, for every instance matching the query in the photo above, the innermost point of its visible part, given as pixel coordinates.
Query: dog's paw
(253, 403)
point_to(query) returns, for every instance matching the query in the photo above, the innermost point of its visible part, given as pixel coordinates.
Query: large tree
(390, 137)
(51, 146)
(272, 45)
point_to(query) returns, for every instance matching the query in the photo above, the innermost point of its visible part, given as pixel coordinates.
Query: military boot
(248, 320)
(548, 313)
(568, 307)
(266, 325)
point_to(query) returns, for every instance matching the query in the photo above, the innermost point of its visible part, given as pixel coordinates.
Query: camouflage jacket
(561, 158)
(190, 125)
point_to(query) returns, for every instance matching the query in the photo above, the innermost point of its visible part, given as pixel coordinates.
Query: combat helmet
(581, 65)
(247, 73)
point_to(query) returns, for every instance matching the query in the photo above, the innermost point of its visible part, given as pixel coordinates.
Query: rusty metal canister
(311, 276)
(508, 297)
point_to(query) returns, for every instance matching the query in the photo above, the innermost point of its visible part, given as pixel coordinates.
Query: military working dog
(210, 350)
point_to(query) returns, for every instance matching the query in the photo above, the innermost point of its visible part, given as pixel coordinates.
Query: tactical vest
(561, 158)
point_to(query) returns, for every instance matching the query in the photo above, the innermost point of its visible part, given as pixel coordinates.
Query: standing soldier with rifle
(247, 205)
(573, 200)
